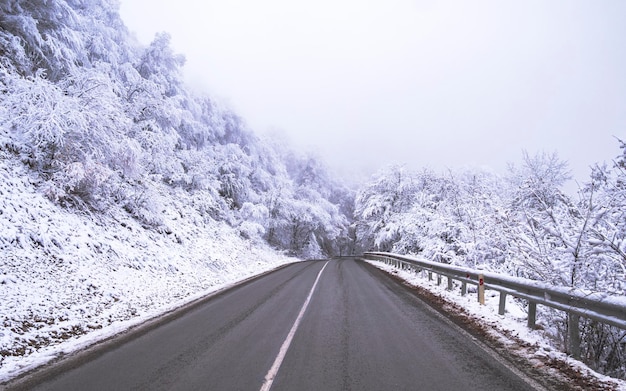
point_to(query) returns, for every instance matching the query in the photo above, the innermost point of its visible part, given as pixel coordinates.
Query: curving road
(318, 325)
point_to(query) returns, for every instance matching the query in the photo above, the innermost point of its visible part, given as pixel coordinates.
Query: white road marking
(271, 375)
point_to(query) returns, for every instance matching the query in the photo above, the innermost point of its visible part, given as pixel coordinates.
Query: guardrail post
(438, 279)
(481, 289)
(502, 303)
(430, 275)
(463, 288)
(450, 286)
(532, 314)
(573, 331)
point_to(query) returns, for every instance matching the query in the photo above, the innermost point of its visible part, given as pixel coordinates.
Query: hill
(122, 192)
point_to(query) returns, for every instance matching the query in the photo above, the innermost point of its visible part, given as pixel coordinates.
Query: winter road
(318, 325)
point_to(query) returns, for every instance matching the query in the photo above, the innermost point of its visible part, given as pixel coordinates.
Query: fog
(363, 84)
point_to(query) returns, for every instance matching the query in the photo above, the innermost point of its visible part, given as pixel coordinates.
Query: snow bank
(67, 280)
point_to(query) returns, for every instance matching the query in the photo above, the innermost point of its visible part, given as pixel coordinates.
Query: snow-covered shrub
(71, 131)
(143, 202)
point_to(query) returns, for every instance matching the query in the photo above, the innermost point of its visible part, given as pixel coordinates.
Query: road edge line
(271, 374)
(71, 359)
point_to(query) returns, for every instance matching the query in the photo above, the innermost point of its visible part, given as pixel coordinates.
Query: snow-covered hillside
(68, 279)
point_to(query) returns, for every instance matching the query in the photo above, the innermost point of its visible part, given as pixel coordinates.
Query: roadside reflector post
(532, 314)
(481, 289)
(502, 303)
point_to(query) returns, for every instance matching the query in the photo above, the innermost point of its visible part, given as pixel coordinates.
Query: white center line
(271, 375)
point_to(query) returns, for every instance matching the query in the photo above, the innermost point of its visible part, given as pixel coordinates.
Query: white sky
(422, 82)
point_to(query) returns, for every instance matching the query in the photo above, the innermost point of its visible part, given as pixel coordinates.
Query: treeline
(521, 224)
(102, 120)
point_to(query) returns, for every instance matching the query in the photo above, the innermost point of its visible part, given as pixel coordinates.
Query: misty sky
(442, 84)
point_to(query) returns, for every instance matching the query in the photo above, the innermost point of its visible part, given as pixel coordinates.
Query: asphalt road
(356, 330)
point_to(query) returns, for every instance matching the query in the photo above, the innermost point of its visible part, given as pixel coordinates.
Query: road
(317, 325)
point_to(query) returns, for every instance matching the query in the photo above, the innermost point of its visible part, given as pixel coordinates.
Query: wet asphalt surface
(362, 330)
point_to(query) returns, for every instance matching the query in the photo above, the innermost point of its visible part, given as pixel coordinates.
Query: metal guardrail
(597, 306)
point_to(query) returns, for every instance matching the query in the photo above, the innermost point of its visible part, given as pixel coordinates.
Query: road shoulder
(550, 372)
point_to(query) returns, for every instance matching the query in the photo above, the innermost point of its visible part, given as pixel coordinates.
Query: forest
(104, 123)
(102, 119)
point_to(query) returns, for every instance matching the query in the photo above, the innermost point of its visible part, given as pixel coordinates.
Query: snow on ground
(511, 325)
(69, 280)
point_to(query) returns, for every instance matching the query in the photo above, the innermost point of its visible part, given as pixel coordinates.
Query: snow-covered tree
(379, 206)
(41, 34)
(603, 201)
(548, 232)
(72, 131)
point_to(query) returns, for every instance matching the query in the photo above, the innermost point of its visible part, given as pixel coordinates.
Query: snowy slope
(67, 280)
